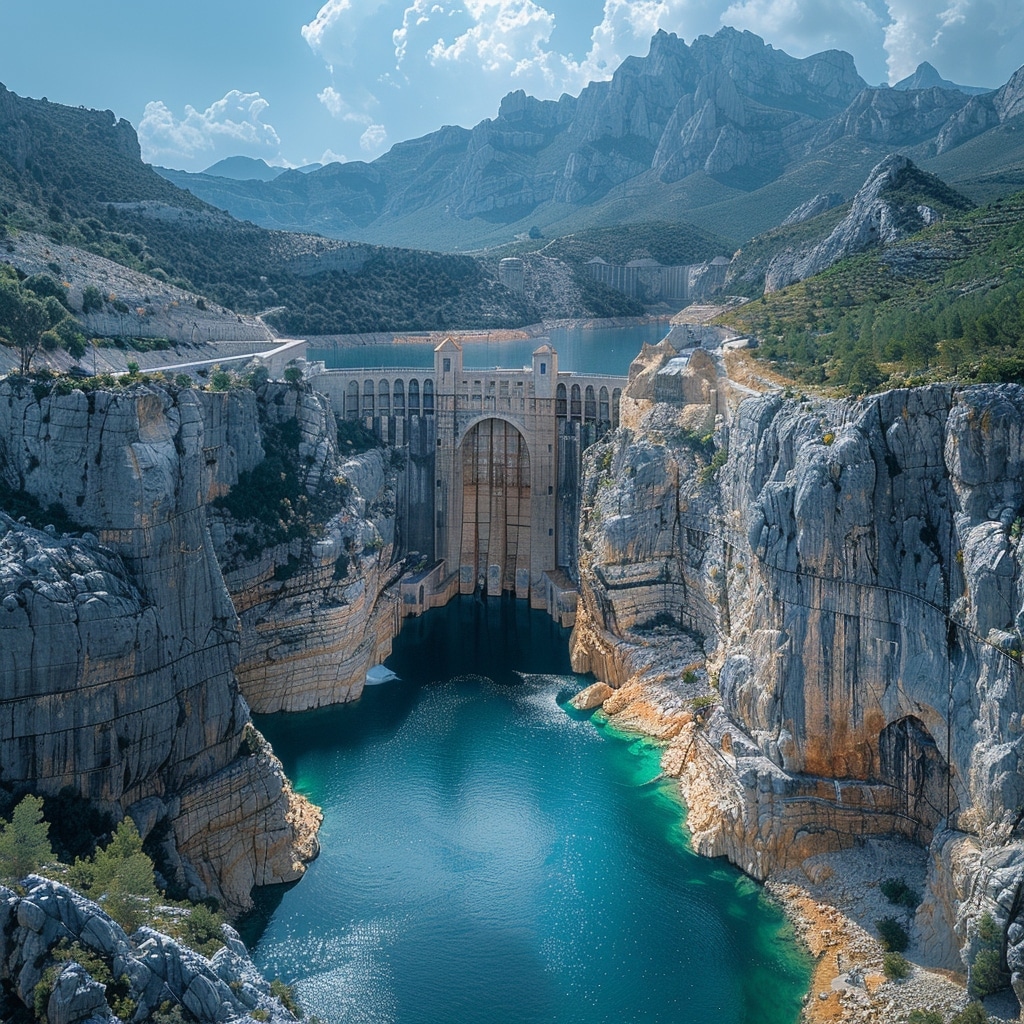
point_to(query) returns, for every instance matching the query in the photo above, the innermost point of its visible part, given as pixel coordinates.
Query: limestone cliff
(315, 610)
(852, 571)
(43, 931)
(119, 647)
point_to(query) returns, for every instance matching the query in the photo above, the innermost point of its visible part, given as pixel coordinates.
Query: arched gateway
(496, 506)
(489, 495)
(496, 471)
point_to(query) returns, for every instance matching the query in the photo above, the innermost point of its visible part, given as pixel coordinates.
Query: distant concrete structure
(650, 281)
(491, 486)
(512, 274)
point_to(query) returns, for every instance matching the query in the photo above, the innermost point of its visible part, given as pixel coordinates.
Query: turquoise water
(492, 857)
(607, 350)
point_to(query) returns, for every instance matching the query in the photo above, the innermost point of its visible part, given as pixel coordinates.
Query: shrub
(24, 840)
(925, 1017)
(897, 892)
(120, 876)
(718, 460)
(220, 380)
(92, 299)
(986, 973)
(895, 965)
(202, 929)
(169, 1013)
(286, 994)
(893, 934)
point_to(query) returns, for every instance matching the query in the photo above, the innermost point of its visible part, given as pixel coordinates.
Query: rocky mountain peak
(895, 201)
(1009, 100)
(927, 77)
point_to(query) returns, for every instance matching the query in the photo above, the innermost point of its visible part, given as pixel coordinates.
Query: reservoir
(491, 856)
(605, 350)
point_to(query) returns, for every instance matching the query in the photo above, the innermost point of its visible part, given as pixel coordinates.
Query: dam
(489, 498)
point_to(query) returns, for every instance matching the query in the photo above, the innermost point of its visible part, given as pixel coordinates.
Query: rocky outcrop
(982, 113)
(894, 118)
(821, 203)
(878, 217)
(153, 971)
(315, 612)
(853, 573)
(135, 620)
(925, 76)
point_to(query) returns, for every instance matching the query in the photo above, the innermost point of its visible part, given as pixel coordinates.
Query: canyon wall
(315, 611)
(851, 574)
(119, 647)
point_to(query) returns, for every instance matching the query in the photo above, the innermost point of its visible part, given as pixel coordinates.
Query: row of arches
(387, 398)
(587, 405)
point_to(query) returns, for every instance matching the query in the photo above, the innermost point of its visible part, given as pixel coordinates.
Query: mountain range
(726, 132)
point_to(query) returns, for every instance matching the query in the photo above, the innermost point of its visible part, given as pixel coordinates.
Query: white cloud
(322, 25)
(504, 33)
(332, 100)
(330, 157)
(235, 120)
(373, 138)
(964, 39)
(333, 33)
(414, 16)
(339, 107)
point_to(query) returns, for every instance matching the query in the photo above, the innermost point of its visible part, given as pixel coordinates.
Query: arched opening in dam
(496, 506)
(491, 856)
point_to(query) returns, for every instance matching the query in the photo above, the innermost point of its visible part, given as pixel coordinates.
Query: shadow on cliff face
(266, 900)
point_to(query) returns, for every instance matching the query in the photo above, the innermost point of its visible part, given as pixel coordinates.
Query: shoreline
(478, 336)
(832, 900)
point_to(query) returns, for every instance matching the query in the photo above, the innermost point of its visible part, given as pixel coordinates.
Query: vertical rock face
(315, 612)
(119, 649)
(854, 572)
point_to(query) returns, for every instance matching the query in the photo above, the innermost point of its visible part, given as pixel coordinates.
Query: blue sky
(298, 81)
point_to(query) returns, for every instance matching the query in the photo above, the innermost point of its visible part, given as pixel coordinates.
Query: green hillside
(76, 176)
(947, 303)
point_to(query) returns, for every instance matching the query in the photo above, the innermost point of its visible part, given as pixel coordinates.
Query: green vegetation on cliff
(945, 303)
(33, 315)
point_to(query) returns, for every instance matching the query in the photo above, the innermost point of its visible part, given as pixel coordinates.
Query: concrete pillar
(542, 435)
(448, 506)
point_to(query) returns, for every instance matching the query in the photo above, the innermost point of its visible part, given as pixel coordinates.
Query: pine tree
(25, 840)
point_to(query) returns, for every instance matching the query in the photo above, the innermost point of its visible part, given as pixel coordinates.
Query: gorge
(812, 604)
(616, 589)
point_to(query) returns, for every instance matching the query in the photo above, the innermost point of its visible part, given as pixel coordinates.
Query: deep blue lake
(491, 856)
(607, 350)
